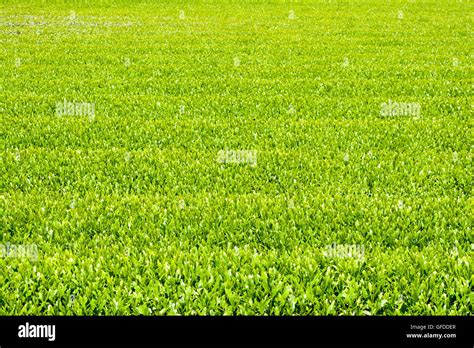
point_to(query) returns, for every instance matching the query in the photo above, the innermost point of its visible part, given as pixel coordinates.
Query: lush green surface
(132, 212)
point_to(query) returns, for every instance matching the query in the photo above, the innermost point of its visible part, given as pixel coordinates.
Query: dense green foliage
(132, 210)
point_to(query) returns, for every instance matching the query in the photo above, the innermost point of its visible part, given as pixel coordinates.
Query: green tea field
(236, 157)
